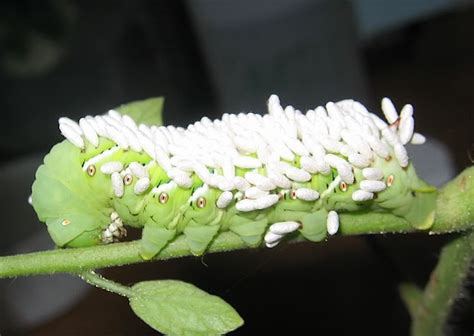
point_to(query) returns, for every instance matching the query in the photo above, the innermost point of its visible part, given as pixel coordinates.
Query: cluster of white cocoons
(340, 136)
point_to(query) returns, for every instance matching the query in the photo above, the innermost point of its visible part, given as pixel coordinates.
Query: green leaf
(148, 111)
(179, 308)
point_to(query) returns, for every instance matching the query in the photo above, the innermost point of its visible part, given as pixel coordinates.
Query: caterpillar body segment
(261, 177)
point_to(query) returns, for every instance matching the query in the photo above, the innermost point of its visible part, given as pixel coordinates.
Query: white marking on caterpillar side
(247, 162)
(117, 184)
(254, 193)
(401, 155)
(307, 194)
(111, 167)
(70, 134)
(224, 199)
(166, 187)
(332, 223)
(266, 201)
(362, 195)
(372, 173)
(333, 185)
(372, 186)
(89, 132)
(418, 139)
(199, 192)
(141, 186)
(283, 228)
(30, 200)
(138, 169)
(389, 110)
(105, 154)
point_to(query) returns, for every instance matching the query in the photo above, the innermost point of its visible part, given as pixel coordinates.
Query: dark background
(72, 58)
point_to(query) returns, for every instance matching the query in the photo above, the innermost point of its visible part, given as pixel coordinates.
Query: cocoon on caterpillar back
(261, 177)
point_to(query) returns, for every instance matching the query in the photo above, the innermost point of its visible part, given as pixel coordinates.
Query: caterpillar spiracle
(259, 176)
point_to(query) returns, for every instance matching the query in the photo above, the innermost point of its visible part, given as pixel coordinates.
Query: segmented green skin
(76, 207)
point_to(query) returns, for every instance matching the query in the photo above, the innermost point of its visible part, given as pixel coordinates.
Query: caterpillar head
(68, 198)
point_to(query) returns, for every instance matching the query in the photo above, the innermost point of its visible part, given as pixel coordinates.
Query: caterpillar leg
(199, 236)
(314, 225)
(250, 231)
(154, 239)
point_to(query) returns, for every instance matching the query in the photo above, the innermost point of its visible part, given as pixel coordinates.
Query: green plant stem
(99, 281)
(455, 212)
(430, 309)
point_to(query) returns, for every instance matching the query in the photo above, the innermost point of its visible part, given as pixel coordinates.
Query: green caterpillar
(261, 177)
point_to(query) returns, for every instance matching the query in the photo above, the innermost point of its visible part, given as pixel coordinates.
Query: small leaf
(148, 111)
(179, 308)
